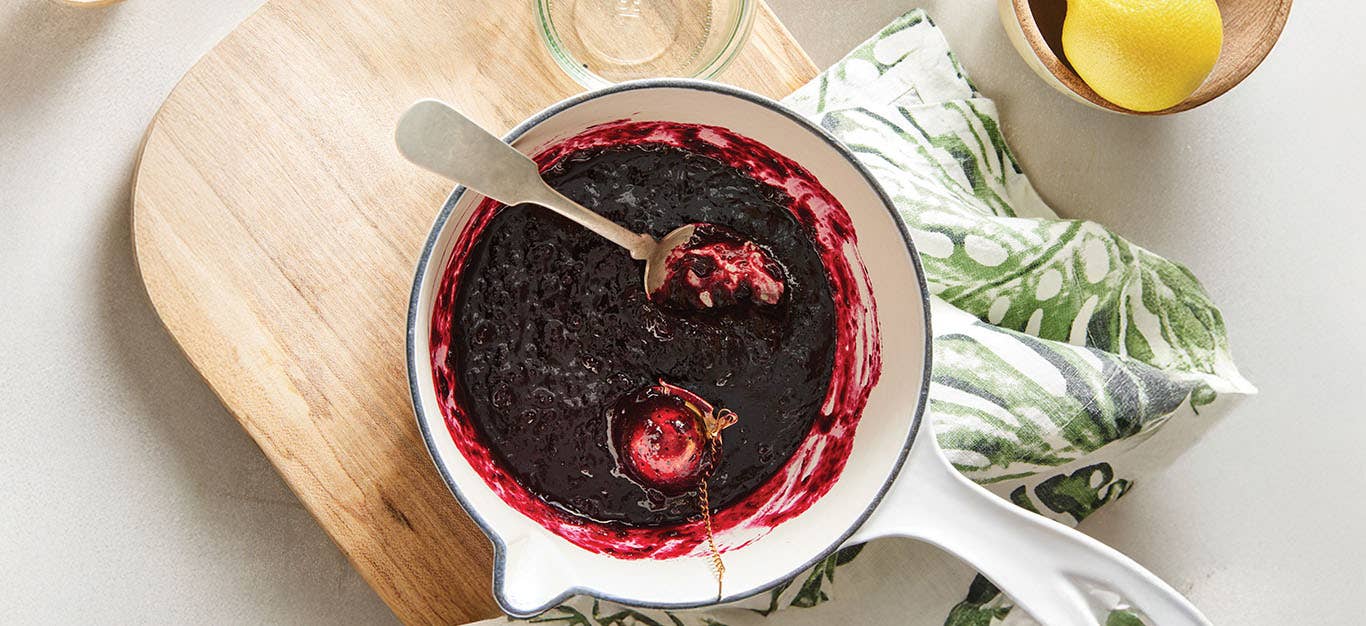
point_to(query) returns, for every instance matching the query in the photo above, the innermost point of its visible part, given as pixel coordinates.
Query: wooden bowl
(1251, 27)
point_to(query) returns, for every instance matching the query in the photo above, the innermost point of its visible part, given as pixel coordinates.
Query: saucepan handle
(1047, 568)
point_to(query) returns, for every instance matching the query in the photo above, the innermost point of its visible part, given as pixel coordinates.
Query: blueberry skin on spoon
(718, 267)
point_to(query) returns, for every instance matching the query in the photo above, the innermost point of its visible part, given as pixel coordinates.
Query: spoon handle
(436, 137)
(640, 246)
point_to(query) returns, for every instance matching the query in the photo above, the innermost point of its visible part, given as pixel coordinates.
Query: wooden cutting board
(276, 229)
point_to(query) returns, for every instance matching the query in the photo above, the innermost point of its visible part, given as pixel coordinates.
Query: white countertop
(127, 493)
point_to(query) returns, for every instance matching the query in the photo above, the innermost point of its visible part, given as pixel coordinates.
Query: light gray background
(127, 494)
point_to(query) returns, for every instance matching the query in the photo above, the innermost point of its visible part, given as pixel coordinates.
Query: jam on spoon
(718, 267)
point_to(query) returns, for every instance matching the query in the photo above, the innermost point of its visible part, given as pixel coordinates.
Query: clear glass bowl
(600, 42)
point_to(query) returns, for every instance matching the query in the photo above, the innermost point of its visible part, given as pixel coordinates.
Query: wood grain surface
(276, 229)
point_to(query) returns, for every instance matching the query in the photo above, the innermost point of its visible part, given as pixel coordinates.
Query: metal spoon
(436, 137)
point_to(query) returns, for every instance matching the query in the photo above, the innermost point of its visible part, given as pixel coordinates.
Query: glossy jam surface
(560, 330)
(728, 163)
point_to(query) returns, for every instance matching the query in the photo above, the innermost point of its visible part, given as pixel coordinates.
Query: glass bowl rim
(738, 33)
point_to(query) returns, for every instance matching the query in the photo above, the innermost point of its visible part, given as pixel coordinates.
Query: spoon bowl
(657, 267)
(1251, 28)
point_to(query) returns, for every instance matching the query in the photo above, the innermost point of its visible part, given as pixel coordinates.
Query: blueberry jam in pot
(556, 330)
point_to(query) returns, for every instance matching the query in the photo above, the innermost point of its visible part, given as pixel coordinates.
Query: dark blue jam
(554, 328)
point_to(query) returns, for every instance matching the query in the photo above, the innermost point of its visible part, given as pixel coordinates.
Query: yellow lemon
(1144, 55)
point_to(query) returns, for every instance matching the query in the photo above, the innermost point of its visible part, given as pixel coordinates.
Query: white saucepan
(894, 479)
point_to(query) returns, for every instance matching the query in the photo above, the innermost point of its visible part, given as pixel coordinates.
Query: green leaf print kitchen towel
(1060, 349)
